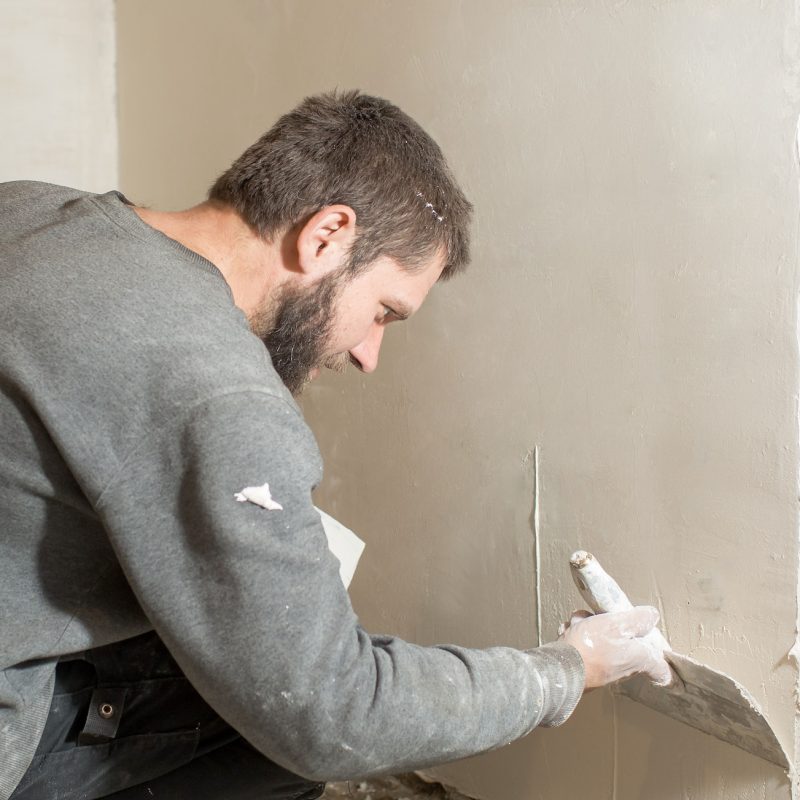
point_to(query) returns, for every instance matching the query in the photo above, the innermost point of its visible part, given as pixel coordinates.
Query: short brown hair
(363, 152)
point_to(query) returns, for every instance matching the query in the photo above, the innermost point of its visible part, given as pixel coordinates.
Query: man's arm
(250, 603)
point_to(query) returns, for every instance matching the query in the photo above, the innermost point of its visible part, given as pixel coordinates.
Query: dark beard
(297, 328)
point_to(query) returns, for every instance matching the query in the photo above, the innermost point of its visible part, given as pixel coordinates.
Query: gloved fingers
(657, 669)
(643, 657)
(631, 624)
(615, 646)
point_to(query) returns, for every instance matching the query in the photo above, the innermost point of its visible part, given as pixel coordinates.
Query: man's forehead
(424, 274)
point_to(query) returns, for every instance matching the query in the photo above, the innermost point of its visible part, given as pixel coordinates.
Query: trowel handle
(602, 592)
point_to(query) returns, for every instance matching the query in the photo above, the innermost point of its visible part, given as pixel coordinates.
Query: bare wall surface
(630, 312)
(58, 92)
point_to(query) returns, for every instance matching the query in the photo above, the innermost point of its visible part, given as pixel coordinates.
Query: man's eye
(392, 315)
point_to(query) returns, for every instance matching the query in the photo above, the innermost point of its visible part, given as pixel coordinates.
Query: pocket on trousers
(87, 772)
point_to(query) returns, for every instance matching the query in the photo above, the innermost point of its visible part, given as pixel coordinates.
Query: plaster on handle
(602, 592)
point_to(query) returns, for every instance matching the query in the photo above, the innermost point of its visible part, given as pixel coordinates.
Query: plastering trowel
(699, 696)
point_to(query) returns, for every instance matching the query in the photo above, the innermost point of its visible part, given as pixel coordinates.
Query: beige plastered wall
(58, 115)
(629, 315)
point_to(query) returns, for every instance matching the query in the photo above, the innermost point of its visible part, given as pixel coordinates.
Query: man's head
(346, 184)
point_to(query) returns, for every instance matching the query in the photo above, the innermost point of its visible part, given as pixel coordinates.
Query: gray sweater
(134, 404)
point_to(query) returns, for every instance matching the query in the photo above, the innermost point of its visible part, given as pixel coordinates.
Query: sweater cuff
(560, 668)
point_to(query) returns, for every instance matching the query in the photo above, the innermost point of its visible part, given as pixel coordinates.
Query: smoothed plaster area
(58, 91)
(628, 324)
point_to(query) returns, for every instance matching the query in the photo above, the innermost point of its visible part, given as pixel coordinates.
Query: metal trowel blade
(712, 702)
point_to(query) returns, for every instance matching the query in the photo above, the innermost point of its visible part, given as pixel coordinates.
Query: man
(159, 636)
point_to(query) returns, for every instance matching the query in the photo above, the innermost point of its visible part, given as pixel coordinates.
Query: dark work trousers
(126, 723)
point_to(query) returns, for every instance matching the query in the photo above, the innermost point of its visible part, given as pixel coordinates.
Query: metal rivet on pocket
(106, 710)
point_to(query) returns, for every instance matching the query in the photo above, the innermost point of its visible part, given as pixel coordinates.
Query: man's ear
(324, 241)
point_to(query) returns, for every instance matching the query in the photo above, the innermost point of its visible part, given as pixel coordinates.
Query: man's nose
(365, 354)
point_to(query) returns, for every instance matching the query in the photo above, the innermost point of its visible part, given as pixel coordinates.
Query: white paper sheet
(344, 544)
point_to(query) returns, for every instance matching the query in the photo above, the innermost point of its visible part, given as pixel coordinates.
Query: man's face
(339, 319)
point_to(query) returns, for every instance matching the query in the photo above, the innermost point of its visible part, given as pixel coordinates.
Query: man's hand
(612, 645)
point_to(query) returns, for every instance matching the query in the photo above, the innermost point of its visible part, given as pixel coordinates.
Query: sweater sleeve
(249, 601)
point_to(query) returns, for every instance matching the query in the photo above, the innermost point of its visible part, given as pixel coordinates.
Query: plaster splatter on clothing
(260, 495)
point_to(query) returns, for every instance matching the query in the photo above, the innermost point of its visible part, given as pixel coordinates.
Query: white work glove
(613, 646)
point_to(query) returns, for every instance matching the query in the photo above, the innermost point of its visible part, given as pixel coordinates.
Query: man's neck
(248, 263)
